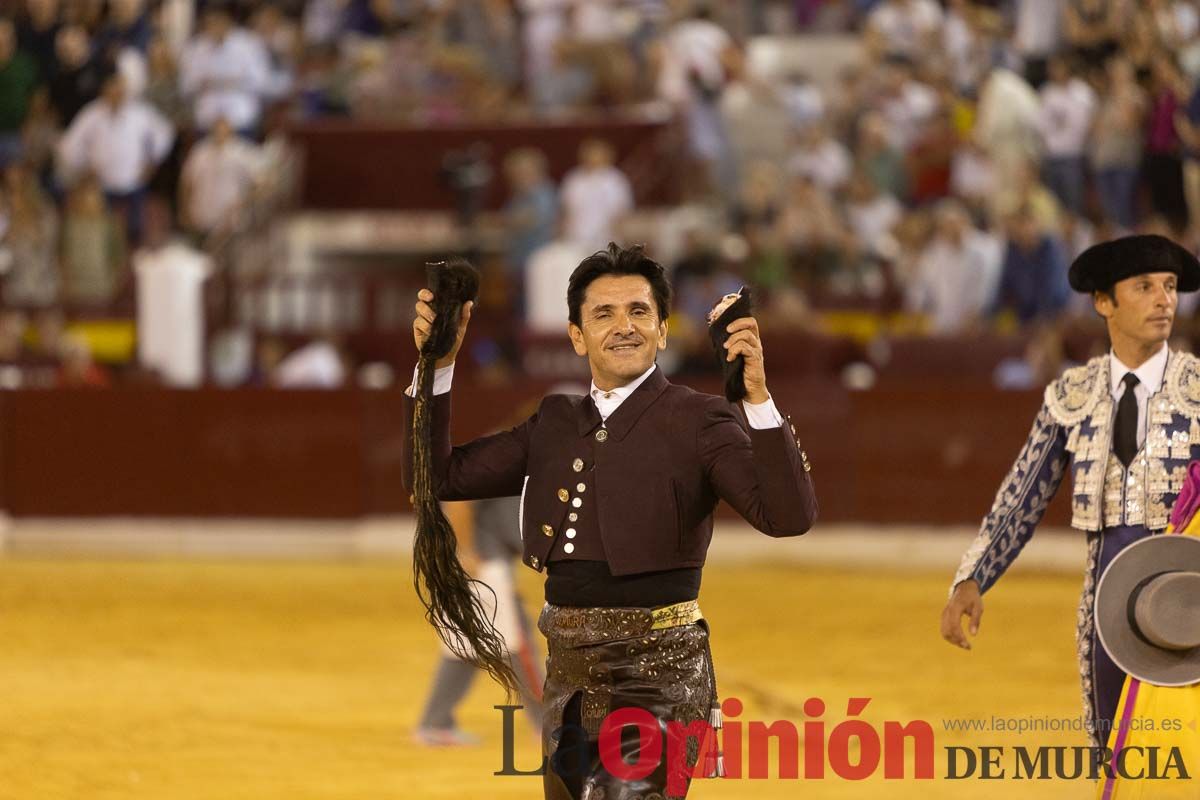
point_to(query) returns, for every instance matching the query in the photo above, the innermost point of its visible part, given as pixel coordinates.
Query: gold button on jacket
(668, 456)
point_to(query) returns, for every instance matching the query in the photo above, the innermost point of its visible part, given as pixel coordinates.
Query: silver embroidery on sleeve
(1019, 504)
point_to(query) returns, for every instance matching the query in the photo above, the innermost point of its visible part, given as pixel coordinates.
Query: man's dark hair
(616, 260)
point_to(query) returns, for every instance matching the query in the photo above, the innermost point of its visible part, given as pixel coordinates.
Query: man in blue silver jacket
(1126, 424)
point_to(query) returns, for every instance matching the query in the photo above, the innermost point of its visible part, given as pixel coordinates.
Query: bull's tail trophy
(445, 589)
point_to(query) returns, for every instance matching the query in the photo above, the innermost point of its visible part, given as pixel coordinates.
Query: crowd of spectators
(952, 172)
(112, 113)
(956, 170)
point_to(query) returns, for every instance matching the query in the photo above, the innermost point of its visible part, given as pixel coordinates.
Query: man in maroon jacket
(618, 489)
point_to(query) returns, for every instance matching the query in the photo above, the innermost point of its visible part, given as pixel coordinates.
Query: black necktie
(1125, 431)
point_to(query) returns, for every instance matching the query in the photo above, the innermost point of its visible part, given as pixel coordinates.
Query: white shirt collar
(1149, 374)
(621, 392)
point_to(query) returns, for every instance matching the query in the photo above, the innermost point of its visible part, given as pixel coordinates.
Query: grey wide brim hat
(1148, 610)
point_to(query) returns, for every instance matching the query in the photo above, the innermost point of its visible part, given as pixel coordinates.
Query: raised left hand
(744, 341)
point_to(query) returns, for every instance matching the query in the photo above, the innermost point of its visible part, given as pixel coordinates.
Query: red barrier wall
(901, 455)
(400, 167)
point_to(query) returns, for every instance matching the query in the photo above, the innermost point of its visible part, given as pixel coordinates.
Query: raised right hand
(965, 602)
(423, 324)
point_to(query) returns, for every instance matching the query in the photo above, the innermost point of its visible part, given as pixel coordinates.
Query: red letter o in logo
(649, 743)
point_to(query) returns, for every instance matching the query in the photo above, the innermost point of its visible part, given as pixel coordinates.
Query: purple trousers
(1107, 678)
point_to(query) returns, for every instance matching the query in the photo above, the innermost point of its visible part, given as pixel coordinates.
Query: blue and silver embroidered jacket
(1074, 428)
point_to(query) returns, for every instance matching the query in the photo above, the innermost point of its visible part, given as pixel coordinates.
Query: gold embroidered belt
(684, 613)
(576, 626)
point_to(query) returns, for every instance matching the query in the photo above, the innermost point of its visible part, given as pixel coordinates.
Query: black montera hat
(1102, 265)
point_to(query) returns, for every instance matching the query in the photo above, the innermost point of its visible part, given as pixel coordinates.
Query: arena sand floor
(285, 681)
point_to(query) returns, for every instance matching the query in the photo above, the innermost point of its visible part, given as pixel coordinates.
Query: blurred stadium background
(213, 221)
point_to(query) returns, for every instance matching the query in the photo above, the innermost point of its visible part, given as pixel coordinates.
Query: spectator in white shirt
(1006, 124)
(957, 273)
(543, 29)
(170, 278)
(226, 71)
(596, 196)
(906, 103)
(973, 178)
(548, 270)
(697, 61)
(904, 27)
(281, 39)
(594, 21)
(1038, 33)
(801, 98)
(821, 157)
(1065, 120)
(219, 178)
(960, 44)
(121, 142)
(696, 58)
(871, 214)
(322, 21)
(1176, 21)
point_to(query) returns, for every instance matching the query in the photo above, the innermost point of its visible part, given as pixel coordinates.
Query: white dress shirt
(226, 78)
(827, 164)
(761, 416)
(1065, 117)
(1150, 378)
(905, 28)
(691, 49)
(1038, 27)
(956, 281)
(593, 201)
(548, 270)
(220, 177)
(119, 145)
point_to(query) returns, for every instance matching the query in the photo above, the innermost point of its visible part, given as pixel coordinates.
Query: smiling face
(621, 332)
(1141, 310)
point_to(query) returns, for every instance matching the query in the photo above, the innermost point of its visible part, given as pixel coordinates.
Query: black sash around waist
(591, 583)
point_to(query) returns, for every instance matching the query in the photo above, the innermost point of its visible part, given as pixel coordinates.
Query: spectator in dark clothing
(531, 213)
(78, 77)
(700, 275)
(699, 279)
(127, 25)
(37, 33)
(1033, 278)
(931, 158)
(1187, 126)
(18, 79)
(1163, 167)
(12, 336)
(372, 19)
